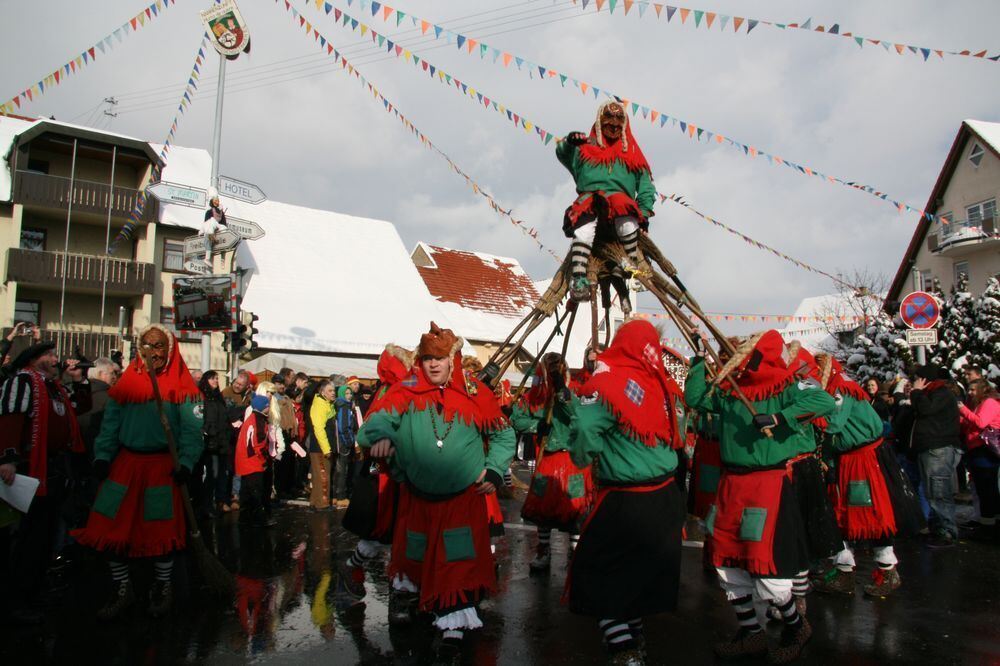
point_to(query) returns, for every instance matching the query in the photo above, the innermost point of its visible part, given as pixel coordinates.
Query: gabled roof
(989, 134)
(484, 282)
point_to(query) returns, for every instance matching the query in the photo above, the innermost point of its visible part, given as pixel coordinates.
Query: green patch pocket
(158, 503)
(458, 544)
(710, 520)
(540, 485)
(708, 478)
(752, 523)
(109, 498)
(575, 487)
(859, 493)
(416, 546)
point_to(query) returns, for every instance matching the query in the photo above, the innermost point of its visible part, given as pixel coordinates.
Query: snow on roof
(989, 132)
(477, 281)
(10, 128)
(814, 334)
(328, 282)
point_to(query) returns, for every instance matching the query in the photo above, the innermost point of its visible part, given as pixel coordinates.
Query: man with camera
(39, 418)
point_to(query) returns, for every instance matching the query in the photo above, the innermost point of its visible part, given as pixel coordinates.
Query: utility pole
(921, 351)
(206, 338)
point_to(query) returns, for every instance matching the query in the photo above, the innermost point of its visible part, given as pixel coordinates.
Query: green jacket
(741, 444)
(444, 470)
(525, 420)
(853, 424)
(137, 426)
(608, 179)
(620, 459)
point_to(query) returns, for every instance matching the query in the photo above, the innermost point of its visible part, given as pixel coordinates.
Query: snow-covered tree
(955, 329)
(880, 352)
(984, 342)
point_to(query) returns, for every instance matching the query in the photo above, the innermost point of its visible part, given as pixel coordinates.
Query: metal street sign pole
(206, 338)
(921, 351)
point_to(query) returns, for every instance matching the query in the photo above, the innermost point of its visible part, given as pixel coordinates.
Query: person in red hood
(372, 515)
(252, 460)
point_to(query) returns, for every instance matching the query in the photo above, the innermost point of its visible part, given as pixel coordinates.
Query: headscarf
(174, 379)
(598, 151)
(834, 380)
(632, 383)
(759, 367)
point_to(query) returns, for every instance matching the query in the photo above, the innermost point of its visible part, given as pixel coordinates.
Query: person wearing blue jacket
(347, 430)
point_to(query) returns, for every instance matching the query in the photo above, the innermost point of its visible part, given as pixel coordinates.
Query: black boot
(122, 596)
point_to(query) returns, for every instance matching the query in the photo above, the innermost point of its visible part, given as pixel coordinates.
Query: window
(38, 166)
(926, 281)
(173, 255)
(976, 155)
(33, 239)
(981, 211)
(29, 311)
(960, 268)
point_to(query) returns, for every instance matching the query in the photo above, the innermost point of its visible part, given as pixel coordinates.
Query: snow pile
(955, 326)
(880, 352)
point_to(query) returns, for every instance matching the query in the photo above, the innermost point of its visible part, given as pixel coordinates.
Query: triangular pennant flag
(751, 24)
(737, 22)
(643, 6)
(386, 13)
(628, 5)
(670, 12)
(399, 17)
(611, 5)
(461, 41)
(698, 14)
(807, 25)
(685, 12)
(375, 6)
(709, 17)
(658, 8)
(834, 29)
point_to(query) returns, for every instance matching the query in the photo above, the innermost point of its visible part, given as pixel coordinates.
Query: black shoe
(941, 540)
(448, 653)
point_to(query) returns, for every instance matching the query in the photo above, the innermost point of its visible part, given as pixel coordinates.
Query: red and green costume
(612, 180)
(872, 497)
(561, 492)
(441, 538)
(138, 510)
(627, 563)
(758, 522)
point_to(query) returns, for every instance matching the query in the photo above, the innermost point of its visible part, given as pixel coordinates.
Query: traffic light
(241, 340)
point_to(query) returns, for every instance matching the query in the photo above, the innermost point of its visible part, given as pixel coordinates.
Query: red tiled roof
(478, 281)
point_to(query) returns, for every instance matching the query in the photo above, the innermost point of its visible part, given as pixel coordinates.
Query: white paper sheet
(20, 493)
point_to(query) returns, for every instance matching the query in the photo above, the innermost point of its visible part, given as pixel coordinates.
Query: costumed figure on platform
(138, 511)
(757, 524)
(560, 493)
(215, 221)
(371, 515)
(873, 498)
(614, 186)
(432, 426)
(627, 564)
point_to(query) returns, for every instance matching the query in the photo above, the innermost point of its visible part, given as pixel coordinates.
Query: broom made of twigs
(219, 580)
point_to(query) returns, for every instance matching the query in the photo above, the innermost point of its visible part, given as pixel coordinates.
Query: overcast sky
(299, 128)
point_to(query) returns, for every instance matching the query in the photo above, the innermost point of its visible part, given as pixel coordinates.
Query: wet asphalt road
(289, 611)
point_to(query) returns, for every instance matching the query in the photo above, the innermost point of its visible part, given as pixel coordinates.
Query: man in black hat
(936, 442)
(38, 419)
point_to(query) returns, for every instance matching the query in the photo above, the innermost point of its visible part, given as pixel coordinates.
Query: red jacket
(251, 446)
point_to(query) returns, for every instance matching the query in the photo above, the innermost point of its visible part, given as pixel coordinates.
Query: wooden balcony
(83, 272)
(90, 345)
(39, 189)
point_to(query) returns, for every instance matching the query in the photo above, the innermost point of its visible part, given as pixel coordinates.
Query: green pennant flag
(483, 48)
(635, 108)
(399, 17)
(611, 5)
(860, 41)
(381, 39)
(698, 14)
(562, 79)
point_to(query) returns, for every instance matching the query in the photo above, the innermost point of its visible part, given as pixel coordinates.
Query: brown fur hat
(438, 342)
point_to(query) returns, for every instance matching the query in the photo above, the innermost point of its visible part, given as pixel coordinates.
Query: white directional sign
(237, 189)
(199, 266)
(178, 194)
(244, 228)
(223, 241)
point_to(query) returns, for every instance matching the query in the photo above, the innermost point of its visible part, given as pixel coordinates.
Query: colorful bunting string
(679, 200)
(779, 319)
(518, 120)
(187, 97)
(86, 57)
(700, 17)
(471, 46)
(327, 46)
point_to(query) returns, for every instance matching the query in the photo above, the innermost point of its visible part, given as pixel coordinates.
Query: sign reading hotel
(230, 35)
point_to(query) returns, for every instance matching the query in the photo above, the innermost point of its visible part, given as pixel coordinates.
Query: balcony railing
(90, 345)
(81, 271)
(40, 189)
(959, 232)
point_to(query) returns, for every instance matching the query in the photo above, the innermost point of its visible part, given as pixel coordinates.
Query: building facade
(965, 195)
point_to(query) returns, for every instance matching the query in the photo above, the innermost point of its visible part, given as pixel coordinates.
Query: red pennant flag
(329, 48)
(56, 74)
(92, 56)
(737, 22)
(148, 14)
(336, 14)
(133, 22)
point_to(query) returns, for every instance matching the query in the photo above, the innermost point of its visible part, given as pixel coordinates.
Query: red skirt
(861, 498)
(560, 493)
(444, 548)
(138, 511)
(756, 524)
(385, 516)
(602, 207)
(494, 515)
(705, 476)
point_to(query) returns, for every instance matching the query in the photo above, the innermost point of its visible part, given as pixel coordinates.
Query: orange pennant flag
(424, 25)
(684, 14)
(658, 8)
(709, 17)
(386, 13)
(899, 48)
(506, 59)
(471, 44)
(737, 22)
(628, 5)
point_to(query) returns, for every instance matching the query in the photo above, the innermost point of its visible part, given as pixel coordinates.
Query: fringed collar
(174, 381)
(627, 152)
